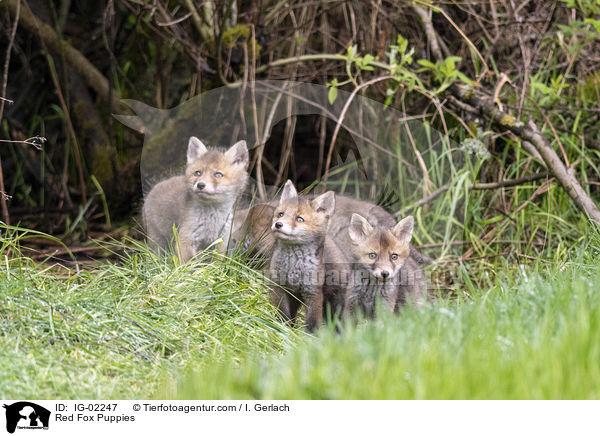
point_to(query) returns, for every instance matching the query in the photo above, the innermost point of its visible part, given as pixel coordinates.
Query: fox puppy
(199, 203)
(376, 217)
(378, 256)
(252, 228)
(305, 260)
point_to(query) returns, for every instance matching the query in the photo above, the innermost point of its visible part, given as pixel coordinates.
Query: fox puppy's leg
(281, 300)
(314, 309)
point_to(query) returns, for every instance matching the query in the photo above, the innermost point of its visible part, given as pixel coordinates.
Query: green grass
(117, 332)
(538, 340)
(150, 328)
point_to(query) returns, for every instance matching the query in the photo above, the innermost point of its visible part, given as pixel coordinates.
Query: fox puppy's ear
(195, 149)
(238, 154)
(404, 229)
(359, 229)
(324, 203)
(289, 192)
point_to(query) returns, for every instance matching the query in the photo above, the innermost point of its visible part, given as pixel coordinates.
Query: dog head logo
(26, 415)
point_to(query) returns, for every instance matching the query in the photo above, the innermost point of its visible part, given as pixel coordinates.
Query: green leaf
(595, 23)
(332, 94)
(464, 78)
(492, 220)
(426, 63)
(351, 52)
(542, 88)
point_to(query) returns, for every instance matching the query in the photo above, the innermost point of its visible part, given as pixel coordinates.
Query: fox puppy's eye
(218, 174)
(372, 256)
(394, 256)
(198, 173)
(299, 219)
(280, 214)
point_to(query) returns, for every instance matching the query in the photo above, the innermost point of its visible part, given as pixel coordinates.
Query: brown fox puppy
(199, 203)
(252, 227)
(304, 259)
(375, 215)
(377, 256)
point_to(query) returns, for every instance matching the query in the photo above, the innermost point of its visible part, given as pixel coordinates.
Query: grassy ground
(152, 328)
(117, 332)
(537, 340)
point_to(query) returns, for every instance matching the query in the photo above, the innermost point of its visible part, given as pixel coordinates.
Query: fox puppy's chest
(297, 267)
(207, 224)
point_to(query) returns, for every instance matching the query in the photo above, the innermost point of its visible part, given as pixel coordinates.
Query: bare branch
(94, 78)
(531, 133)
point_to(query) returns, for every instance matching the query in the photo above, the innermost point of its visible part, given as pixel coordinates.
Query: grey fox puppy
(199, 203)
(381, 266)
(375, 215)
(305, 260)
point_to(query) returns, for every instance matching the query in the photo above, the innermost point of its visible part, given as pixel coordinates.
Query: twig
(94, 78)
(4, 196)
(341, 119)
(432, 36)
(67, 114)
(178, 20)
(202, 28)
(423, 201)
(331, 115)
(479, 186)
(532, 134)
(509, 183)
(7, 60)
(427, 184)
(36, 141)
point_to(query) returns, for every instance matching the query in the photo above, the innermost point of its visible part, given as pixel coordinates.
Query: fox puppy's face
(299, 220)
(380, 251)
(216, 176)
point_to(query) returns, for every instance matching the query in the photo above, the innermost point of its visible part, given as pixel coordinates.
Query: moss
(101, 164)
(589, 88)
(257, 47)
(508, 120)
(234, 34)
(231, 35)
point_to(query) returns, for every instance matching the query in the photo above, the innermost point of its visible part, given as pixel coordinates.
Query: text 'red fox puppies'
(305, 260)
(199, 203)
(382, 268)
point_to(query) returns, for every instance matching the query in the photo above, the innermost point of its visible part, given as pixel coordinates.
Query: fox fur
(200, 203)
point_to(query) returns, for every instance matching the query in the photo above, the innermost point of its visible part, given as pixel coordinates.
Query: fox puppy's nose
(200, 185)
(385, 274)
(278, 225)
